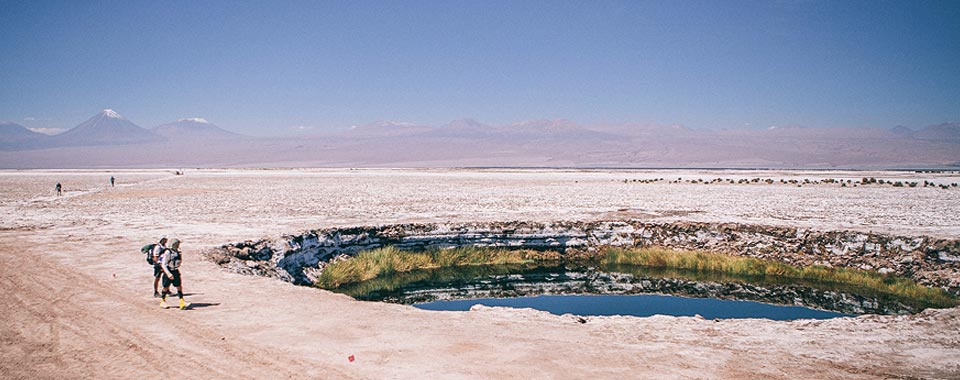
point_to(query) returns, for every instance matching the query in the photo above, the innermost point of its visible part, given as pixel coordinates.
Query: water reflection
(641, 306)
(513, 281)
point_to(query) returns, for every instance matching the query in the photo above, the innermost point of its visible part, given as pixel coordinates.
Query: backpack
(148, 250)
(173, 263)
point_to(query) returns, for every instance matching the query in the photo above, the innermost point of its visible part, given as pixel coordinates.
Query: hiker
(170, 263)
(111, 181)
(157, 270)
(58, 187)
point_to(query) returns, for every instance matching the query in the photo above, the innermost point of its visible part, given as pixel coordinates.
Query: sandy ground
(79, 303)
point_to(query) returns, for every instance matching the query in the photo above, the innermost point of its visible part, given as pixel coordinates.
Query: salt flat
(79, 289)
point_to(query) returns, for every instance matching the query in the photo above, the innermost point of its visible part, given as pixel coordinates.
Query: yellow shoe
(163, 304)
(183, 305)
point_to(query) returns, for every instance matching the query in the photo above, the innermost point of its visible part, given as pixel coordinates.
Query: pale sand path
(67, 316)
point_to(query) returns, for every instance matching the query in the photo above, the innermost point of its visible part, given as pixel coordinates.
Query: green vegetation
(387, 285)
(374, 270)
(370, 264)
(897, 287)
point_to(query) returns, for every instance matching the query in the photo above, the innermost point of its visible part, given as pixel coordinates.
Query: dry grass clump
(748, 266)
(388, 260)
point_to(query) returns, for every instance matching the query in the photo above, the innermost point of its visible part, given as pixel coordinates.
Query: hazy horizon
(443, 125)
(317, 67)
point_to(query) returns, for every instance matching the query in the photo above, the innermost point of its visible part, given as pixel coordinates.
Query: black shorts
(157, 270)
(175, 281)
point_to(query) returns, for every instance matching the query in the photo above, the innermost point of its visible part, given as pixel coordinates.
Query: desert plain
(79, 305)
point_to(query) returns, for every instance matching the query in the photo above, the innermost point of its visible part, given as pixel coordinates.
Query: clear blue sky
(262, 68)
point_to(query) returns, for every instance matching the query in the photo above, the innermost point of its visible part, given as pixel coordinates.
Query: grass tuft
(370, 264)
(897, 287)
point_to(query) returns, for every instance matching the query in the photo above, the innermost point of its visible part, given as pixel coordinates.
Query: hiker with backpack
(170, 264)
(153, 252)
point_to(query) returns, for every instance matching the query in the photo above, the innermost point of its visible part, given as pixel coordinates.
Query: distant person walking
(170, 263)
(111, 181)
(156, 252)
(59, 189)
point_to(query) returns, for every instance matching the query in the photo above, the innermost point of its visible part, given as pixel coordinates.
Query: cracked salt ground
(59, 307)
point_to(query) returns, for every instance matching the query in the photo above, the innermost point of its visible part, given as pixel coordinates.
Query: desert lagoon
(792, 272)
(597, 287)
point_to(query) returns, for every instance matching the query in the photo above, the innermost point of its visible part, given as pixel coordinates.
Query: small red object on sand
(350, 358)
(114, 275)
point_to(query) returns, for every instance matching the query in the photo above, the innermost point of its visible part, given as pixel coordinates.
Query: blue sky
(264, 68)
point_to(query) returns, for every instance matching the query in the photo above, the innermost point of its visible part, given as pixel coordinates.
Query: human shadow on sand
(199, 305)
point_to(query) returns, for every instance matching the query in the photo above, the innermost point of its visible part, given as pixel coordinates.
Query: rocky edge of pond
(301, 258)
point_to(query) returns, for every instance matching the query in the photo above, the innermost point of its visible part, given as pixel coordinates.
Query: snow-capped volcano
(195, 120)
(112, 114)
(105, 128)
(194, 128)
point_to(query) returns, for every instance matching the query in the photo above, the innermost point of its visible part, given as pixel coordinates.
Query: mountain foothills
(110, 140)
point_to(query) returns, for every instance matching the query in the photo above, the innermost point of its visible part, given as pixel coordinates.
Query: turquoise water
(643, 305)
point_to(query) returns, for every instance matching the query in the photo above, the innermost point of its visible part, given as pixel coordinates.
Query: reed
(370, 264)
(900, 288)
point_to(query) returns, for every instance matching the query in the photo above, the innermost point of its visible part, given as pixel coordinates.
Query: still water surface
(643, 305)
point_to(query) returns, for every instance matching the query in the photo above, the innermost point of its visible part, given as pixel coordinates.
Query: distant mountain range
(15, 136)
(110, 128)
(110, 140)
(105, 128)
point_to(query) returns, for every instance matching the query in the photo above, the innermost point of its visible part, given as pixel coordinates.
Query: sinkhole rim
(303, 257)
